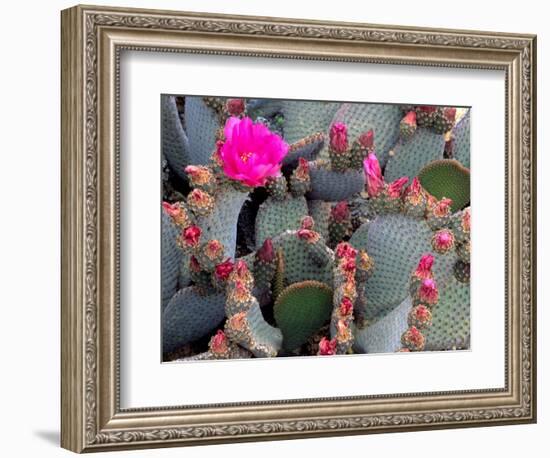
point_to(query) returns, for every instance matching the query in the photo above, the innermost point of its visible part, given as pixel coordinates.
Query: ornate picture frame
(93, 39)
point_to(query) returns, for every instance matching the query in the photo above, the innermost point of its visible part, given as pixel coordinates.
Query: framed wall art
(279, 228)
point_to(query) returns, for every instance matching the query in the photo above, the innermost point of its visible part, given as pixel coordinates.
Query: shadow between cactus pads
(300, 310)
(447, 178)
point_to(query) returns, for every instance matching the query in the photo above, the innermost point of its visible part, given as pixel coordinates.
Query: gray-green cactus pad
(306, 118)
(221, 224)
(334, 186)
(396, 244)
(190, 316)
(461, 145)
(319, 210)
(201, 124)
(175, 145)
(276, 216)
(384, 335)
(171, 258)
(409, 157)
(298, 265)
(383, 119)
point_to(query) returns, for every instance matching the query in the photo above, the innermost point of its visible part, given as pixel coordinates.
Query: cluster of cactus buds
(425, 296)
(344, 156)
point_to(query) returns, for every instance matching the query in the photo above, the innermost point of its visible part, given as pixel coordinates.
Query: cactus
(189, 316)
(300, 310)
(276, 216)
(410, 157)
(447, 178)
(332, 205)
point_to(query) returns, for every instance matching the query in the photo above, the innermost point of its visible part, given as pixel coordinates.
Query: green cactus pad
(383, 119)
(334, 186)
(171, 258)
(461, 142)
(221, 224)
(450, 327)
(447, 178)
(300, 310)
(395, 243)
(298, 265)
(319, 210)
(276, 216)
(384, 335)
(201, 124)
(175, 145)
(306, 118)
(190, 316)
(306, 148)
(411, 156)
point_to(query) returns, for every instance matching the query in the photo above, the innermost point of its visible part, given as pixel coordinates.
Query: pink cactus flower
(346, 306)
(345, 250)
(428, 291)
(395, 188)
(235, 107)
(424, 269)
(443, 240)
(223, 269)
(218, 343)
(191, 236)
(366, 139)
(375, 181)
(339, 137)
(251, 153)
(340, 212)
(327, 347)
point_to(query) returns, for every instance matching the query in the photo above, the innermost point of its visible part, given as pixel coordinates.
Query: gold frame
(92, 39)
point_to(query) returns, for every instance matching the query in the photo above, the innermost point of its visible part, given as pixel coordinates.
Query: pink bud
(339, 137)
(241, 269)
(414, 337)
(218, 343)
(345, 250)
(199, 174)
(424, 269)
(340, 212)
(266, 252)
(308, 235)
(213, 249)
(410, 118)
(395, 188)
(348, 265)
(235, 107)
(172, 210)
(443, 240)
(442, 207)
(191, 236)
(366, 139)
(346, 306)
(428, 291)
(327, 347)
(449, 113)
(375, 181)
(223, 270)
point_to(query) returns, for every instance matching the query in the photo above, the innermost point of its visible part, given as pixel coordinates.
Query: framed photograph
(278, 228)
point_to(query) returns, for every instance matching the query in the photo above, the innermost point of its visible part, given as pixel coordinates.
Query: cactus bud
(428, 293)
(200, 202)
(413, 339)
(327, 347)
(235, 107)
(339, 137)
(190, 237)
(443, 241)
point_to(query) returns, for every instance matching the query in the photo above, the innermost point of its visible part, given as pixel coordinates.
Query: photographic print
(313, 228)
